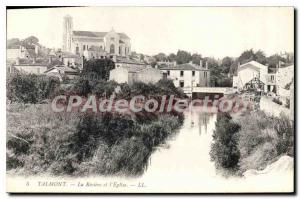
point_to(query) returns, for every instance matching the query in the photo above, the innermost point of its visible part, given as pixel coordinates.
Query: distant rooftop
(97, 34)
(186, 66)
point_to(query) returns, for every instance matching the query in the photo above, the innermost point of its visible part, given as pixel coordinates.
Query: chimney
(36, 49)
(279, 64)
(50, 60)
(18, 61)
(201, 63)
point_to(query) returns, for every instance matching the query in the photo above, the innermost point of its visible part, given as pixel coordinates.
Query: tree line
(222, 69)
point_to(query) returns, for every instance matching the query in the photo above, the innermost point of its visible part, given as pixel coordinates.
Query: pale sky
(210, 31)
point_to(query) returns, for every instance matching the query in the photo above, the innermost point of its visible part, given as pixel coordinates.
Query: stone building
(77, 42)
(135, 73)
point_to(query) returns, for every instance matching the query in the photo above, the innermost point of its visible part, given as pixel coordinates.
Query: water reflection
(185, 165)
(189, 149)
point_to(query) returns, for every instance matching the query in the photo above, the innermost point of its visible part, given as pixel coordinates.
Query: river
(184, 165)
(181, 165)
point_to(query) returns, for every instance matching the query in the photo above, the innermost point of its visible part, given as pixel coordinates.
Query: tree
(260, 57)
(183, 57)
(160, 57)
(196, 58)
(273, 60)
(172, 57)
(224, 151)
(247, 56)
(12, 42)
(100, 67)
(226, 63)
(31, 40)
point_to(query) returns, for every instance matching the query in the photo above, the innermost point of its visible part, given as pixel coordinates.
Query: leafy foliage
(263, 138)
(30, 88)
(224, 150)
(100, 67)
(40, 141)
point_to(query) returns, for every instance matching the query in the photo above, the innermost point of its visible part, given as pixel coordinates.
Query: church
(94, 44)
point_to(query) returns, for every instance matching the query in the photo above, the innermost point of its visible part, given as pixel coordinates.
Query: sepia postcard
(150, 100)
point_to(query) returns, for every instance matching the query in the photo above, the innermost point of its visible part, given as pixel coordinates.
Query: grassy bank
(40, 141)
(251, 141)
(75, 143)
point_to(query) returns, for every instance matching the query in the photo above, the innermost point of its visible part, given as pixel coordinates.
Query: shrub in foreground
(40, 141)
(224, 151)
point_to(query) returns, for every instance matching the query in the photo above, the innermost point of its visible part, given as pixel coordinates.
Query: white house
(250, 70)
(133, 73)
(187, 75)
(273, 81)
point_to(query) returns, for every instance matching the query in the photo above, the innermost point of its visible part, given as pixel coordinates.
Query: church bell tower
(67, 33)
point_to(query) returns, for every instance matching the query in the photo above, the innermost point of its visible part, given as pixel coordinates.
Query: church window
(168, 72)
(120, 50)
(193, 73)
(112, 48)
(101, 47)
(87, 47)
(77, 50)
(83, 47)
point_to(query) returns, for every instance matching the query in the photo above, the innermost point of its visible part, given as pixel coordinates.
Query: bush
(285, 132)
(40, 141)
(80, 87)
(287, 103)
(104, 87)
(224, 151)
(260, 157)
(263, 138)
(30, 88)
(100, 67)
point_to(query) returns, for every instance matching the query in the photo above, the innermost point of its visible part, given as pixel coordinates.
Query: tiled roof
(13, 47)
(186, 66)
(129, 61)
(123, 35)
(70, 55)
(62, 68)
(84, 39)
(96, 34)
(89, 33)
(135, 68)
(253, 63)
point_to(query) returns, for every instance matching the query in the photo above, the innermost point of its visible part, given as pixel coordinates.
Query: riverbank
(183, 158)
(77, 144)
